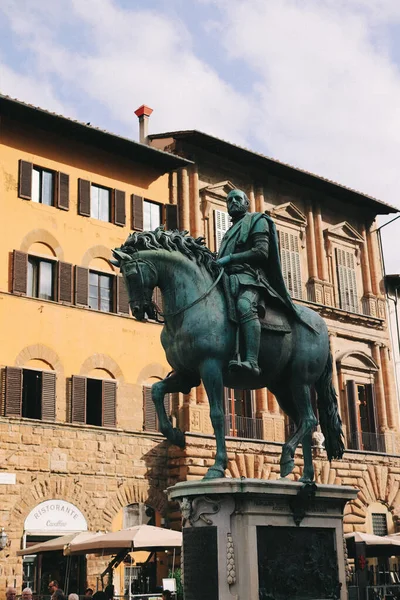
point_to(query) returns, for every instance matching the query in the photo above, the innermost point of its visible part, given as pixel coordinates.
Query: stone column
(374, 260)
(173, 187)
(390, 395)
(184, 221)
(335, 380)
(201, 395)
(261, 402)
(195, 213)
(252, 199)
(379, 388)
(319, 238)
(311, 248)
(260, 204)
(273, 405)
(365, 266)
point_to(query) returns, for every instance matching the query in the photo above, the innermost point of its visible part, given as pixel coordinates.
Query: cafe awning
(58, 543)
(375, 545)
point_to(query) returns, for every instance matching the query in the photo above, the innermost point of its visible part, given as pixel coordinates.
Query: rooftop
(87, 133)
(260, 162)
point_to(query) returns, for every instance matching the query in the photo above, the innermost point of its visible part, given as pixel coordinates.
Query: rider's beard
(237, 213)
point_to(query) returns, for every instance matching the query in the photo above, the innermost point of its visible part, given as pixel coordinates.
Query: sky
(314, 83)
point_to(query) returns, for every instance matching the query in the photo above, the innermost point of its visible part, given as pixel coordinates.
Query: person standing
(11, 593)
(26, 594)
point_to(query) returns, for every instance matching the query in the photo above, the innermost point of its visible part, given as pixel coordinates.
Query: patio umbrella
(139, 537)
(375, 545)
(57, 543)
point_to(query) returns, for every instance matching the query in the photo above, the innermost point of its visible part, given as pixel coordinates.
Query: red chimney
(143, 113)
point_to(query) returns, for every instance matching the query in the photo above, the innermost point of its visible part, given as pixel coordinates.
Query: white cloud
(132, 57)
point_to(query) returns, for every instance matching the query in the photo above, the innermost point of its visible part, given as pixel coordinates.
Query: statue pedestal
(240, 539)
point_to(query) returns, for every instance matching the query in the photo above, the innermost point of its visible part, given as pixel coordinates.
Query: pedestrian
(73, 597)
(26, 594)
(88, 593)
(166, 595)
(11, 593)
(53, 586)
(58, 594)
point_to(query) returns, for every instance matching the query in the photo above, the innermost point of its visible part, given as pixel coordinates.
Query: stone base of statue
(250, 539)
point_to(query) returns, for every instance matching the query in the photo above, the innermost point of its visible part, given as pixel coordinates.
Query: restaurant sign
(55, 516)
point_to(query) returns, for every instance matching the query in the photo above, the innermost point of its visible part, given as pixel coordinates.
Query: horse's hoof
(215, 473)
(287, 467)
(306, 479)
(178, 438)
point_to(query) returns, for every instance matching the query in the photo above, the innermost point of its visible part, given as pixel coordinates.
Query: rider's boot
(251, 331)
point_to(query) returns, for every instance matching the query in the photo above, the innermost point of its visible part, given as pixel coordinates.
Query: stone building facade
(77, 427)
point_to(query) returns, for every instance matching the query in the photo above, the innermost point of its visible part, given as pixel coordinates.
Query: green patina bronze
(217, 310)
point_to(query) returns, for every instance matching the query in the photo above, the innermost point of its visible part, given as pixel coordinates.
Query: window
(150, 419)
(346, 275)
(290, 260)
(93, 401)
(100, 203)
(221, 225)
(151, 215)
(40, 278)
(362, 418)
(30, 393)
(42, 186)
(239, 414)
(101, 291)
(379, 524)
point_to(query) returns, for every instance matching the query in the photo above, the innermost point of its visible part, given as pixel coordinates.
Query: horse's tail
(331, 423)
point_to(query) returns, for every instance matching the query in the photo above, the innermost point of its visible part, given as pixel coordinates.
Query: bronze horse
(199, 341)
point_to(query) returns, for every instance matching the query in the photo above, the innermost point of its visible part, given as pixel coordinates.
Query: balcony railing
(244, 427)
(370, 442)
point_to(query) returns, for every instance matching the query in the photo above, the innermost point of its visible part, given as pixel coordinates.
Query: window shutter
(371, 404)
(171, 216)
(20, 272)
(221, 226)
(149, 410)
(109, 394)
(353, 420)
(137, 212)
(81, 286)
(290, 261)
(62, 199)
(347, 280)
(25, 180)
(78, 397)
(119, 208)
(48, 396)
(64, 282)
(13, 392)
(84, 197)
(122, 296)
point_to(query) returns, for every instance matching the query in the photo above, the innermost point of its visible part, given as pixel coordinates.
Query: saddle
(272, 317)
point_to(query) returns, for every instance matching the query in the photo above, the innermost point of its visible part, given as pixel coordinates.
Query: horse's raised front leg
(211, 375)
(173, 383)
(299, 401)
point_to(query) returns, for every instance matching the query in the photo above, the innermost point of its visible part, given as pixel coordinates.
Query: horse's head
(140, 278)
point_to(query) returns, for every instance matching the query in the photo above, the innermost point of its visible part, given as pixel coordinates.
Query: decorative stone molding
(230, 561)
(290, 213)
(102, 361)
(153, 370)
(44, 237)
(96, 252)
(253, 466)
(320, 292)
(40, 352)
(215, 194)
(356, 360)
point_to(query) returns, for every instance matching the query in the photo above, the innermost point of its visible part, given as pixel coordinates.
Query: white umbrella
(372, 540)
(139, 537)
(57, 543)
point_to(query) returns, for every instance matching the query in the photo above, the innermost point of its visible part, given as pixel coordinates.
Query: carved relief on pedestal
(195, 420)
(230, 561)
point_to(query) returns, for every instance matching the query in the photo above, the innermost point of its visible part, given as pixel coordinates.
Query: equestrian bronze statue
(229, 321)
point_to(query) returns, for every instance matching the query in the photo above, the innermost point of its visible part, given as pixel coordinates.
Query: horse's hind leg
(296, 402)
(211, 375)
(173, 383)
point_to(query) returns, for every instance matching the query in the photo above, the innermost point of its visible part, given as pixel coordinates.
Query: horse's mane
(173, 241)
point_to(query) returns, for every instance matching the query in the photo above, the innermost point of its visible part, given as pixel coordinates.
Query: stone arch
(97, 252)
(102, 361)
(48, 489)
(356, 359)
(45, 237)
(132, 492)
(41, 352)
(152, 370)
